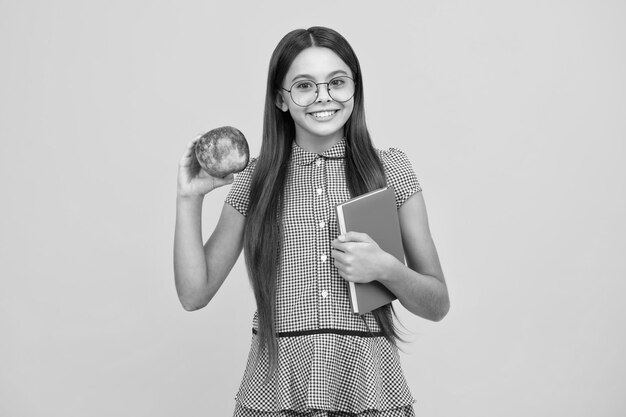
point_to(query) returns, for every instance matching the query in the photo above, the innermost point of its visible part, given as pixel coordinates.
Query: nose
(322, 93)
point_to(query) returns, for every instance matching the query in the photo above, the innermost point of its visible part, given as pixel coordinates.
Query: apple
(222, 151)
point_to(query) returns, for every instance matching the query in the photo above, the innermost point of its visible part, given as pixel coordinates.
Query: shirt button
(323, 258)
(318, 162)
(321, 224)
(324, 294)
(319, 191)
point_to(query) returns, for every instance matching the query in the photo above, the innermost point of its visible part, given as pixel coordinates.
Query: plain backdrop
(512, 113)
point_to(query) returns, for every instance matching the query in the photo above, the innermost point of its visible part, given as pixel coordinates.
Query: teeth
(321, 114)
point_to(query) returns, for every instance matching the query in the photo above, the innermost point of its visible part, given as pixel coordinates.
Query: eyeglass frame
(317, 90)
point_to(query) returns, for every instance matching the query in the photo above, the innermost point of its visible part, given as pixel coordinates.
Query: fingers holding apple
(211, 159)
(192, 180)
(189, 160)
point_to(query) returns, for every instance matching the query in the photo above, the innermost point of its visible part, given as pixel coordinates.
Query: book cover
(375, 214)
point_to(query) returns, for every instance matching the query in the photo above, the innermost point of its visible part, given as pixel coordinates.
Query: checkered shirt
(328, 360)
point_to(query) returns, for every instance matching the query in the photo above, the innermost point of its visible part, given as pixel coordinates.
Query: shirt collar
(304, 157)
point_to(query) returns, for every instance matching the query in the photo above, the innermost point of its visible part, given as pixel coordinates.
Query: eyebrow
(310, 77)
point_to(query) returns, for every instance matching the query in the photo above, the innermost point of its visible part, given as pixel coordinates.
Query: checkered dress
(329, 362)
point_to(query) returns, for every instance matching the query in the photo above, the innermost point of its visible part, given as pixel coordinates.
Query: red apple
(222, 151)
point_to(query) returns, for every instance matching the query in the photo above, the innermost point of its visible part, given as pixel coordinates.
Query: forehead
(318, 63)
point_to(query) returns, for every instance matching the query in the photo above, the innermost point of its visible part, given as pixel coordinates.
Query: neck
(317, 144)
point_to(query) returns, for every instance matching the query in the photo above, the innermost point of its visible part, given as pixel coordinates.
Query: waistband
(326, 331)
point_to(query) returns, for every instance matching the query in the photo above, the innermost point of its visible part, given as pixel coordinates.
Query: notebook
(374, 213)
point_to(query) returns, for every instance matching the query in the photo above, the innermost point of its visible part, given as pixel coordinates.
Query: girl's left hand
(359, 258)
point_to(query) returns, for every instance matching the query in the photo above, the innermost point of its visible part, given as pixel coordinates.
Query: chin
(326, 130)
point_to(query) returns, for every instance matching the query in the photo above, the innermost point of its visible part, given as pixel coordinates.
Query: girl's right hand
(193, 181)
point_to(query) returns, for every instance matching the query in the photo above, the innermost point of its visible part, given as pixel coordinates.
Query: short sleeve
(400, 174)
(239, 194)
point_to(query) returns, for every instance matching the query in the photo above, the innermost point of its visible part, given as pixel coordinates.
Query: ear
(280, 102)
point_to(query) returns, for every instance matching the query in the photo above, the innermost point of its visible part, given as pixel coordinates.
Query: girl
(310, 356)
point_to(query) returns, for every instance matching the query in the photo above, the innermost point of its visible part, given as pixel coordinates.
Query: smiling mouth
(323, 114)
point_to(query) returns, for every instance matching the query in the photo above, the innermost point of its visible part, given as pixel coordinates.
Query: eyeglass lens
(305, 92)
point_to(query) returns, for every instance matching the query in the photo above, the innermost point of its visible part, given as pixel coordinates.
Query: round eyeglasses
(305, 92)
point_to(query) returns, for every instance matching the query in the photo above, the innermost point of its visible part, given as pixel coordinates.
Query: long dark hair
(363, 168)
